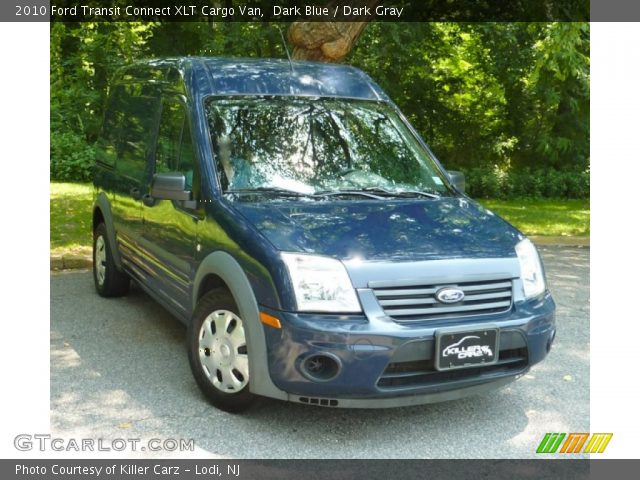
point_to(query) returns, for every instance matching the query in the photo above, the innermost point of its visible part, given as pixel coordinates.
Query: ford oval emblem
(449, 295)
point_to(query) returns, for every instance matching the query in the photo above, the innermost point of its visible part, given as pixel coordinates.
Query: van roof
(247, 76)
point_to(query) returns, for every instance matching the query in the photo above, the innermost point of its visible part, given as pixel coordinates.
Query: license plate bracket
(466, 348)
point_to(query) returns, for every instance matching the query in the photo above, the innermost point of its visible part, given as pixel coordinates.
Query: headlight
(530, 268)
(321, 284)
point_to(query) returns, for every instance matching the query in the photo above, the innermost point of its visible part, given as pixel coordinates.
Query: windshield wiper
(376, 193)
(369, 192)
(269, 190)
(400, 193)
(338, 193)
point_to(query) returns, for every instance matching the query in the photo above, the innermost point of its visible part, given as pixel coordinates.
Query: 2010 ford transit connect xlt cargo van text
(293, 219)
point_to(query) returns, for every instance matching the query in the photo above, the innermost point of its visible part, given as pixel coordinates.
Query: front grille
(423, 373)
(418, 302)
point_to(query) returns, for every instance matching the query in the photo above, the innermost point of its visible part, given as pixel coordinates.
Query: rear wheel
(108, 280)
(218, 352)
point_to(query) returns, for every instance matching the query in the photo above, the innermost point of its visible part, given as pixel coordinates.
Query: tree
(507, 103)
(329, 41)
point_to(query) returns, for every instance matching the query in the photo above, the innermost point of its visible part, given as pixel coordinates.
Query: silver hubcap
(100, 260)
(223, 351)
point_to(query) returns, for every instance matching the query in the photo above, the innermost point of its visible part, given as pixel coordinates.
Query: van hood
(385, 230)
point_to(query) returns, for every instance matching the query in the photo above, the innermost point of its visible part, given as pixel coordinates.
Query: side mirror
(169, 186)
(457, 179)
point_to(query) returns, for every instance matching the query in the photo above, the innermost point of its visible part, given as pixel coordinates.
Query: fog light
(320, 367)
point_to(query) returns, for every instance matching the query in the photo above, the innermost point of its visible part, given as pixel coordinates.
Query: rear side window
(108, 141)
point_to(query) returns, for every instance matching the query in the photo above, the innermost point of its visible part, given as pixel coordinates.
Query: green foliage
(72, 158)
(82, 57)
(492, 182)
(511, 98)
(515, 95)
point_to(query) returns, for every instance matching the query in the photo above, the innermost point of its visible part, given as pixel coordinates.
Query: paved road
(119, 370)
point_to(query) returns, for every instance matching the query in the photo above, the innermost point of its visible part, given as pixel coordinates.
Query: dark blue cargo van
(316, 249)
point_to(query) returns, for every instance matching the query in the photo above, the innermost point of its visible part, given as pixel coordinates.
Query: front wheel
(218, 352)
(108, 280)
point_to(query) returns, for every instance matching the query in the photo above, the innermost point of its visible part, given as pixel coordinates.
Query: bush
(484, 182)
(71, 157)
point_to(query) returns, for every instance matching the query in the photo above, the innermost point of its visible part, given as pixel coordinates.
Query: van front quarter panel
(223, 266)
(224, 229)
(315, 247)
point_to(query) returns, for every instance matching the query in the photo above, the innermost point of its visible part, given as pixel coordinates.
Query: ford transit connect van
(316, 249)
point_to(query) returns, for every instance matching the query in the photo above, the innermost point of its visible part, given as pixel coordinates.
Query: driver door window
(174, 150)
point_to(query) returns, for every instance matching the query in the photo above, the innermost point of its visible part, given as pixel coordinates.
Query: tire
(108, 280)
(218, 352)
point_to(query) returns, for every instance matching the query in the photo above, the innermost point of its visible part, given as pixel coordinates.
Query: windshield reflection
(296, 146)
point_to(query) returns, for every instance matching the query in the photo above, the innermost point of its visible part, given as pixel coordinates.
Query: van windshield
(318, 147)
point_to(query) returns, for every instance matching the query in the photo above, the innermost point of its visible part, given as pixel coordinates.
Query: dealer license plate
(467, 348)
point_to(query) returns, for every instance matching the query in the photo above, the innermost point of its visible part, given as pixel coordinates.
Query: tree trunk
(329, 41)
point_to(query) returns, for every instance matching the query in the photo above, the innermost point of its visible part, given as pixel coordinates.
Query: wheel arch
(221, 269)
(209, 282)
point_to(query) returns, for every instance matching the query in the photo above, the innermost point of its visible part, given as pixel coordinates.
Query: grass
(544, 217)
(70, 215)
(71, 205)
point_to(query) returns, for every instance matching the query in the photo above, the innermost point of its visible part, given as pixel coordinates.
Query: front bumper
(385, 364)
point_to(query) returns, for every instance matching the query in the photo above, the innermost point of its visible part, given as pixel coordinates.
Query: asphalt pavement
(119, 369)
